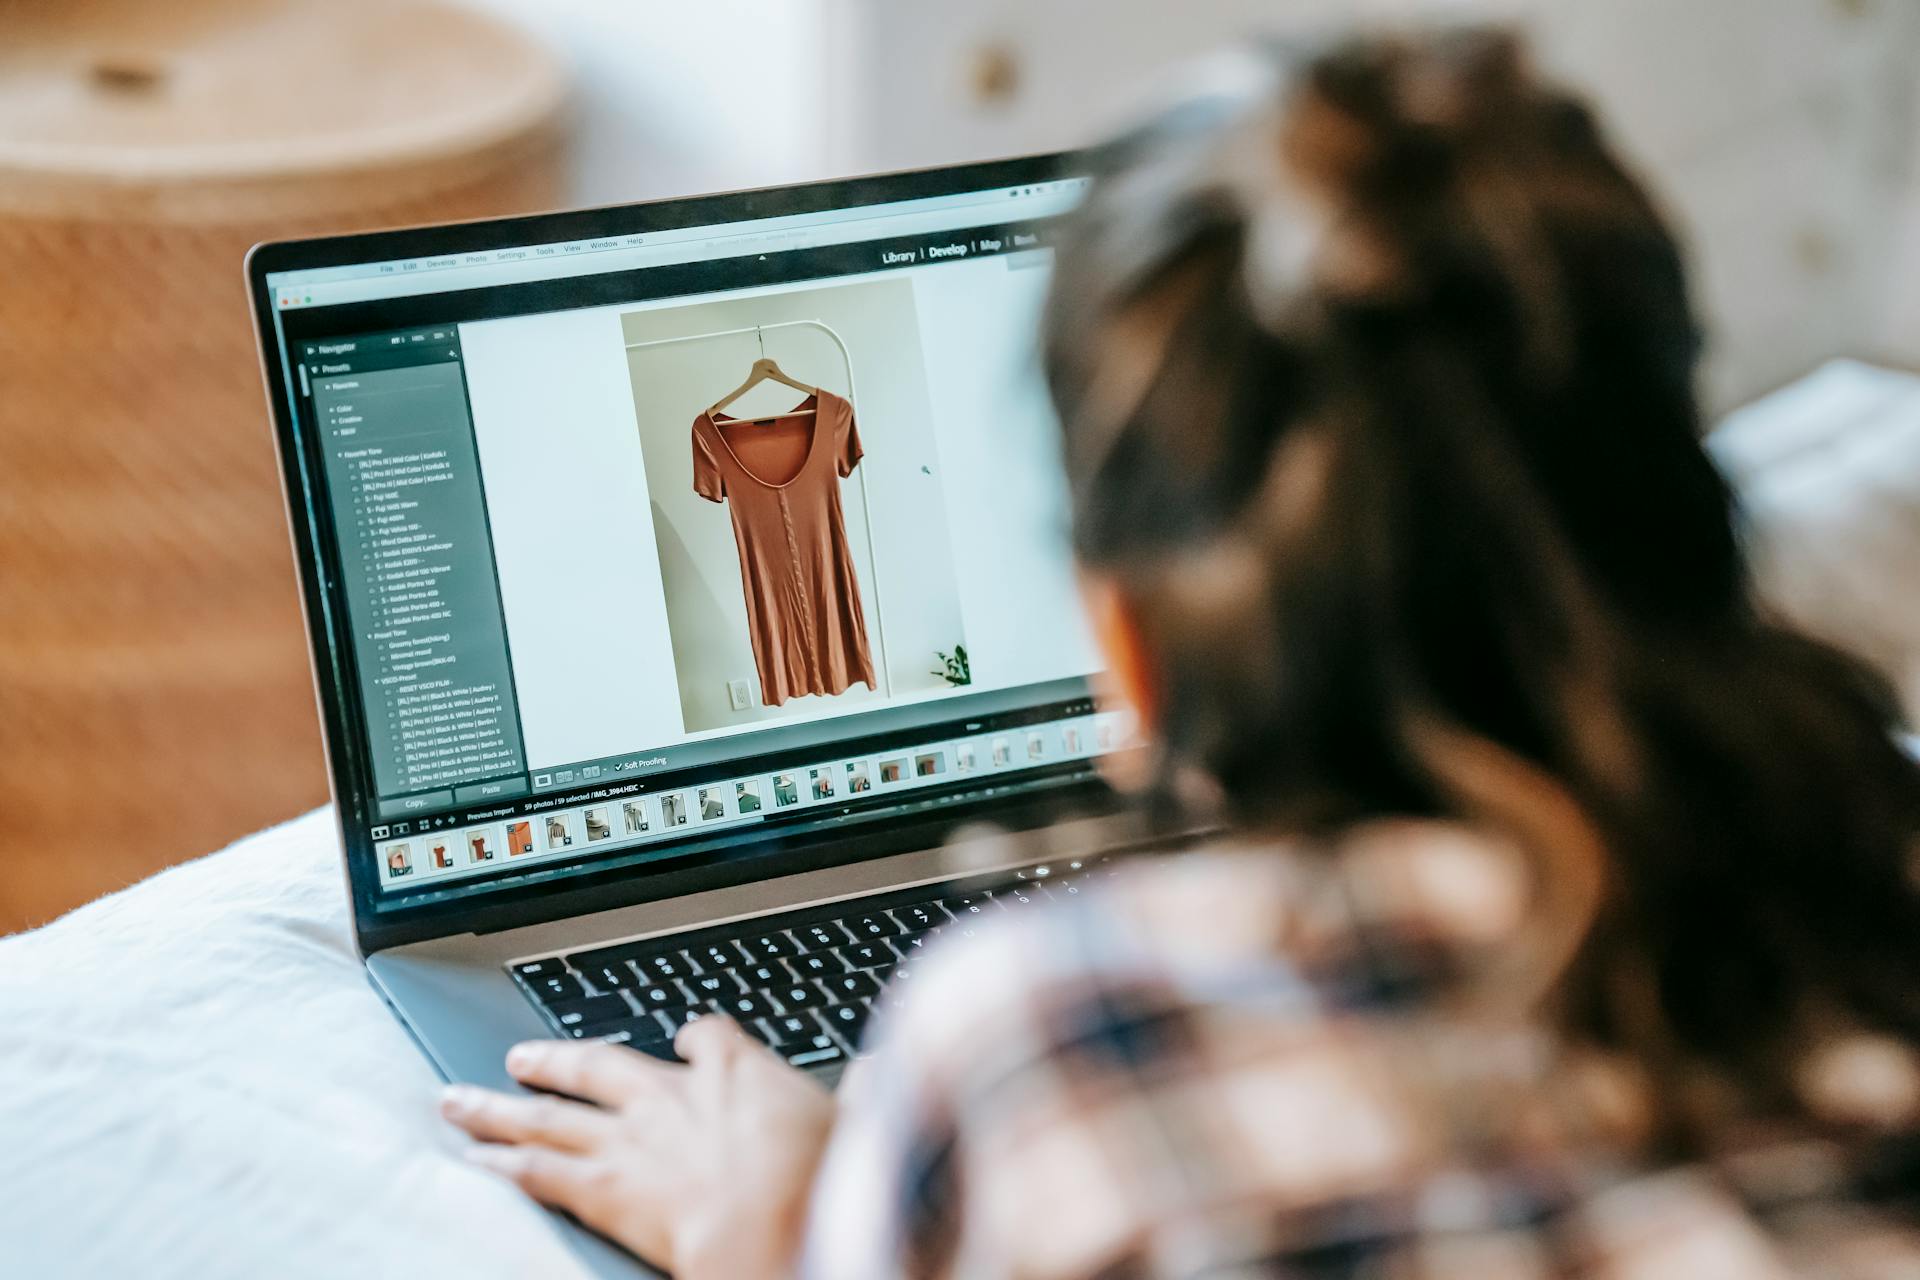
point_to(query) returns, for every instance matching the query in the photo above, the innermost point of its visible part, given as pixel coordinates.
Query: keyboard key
(769, 946)
(674, 1019)
(964, 905)
(761, 1029)
(662, 995)
(764, 977)
(867, 955)
(969, 926)
(660, 1047)
(589, 1011)
(869, 928)
(922, 915)
(790, 1027)
(820, 1051)
(891, 994)
(741, 1008)
(802, 1041)
(615, 975)
(530, 969)
(715, 986)
(1020, 895)
(852, 986)
(910, 946)
(850, 1020)
(665, 965)
(629, 1031)
(716, 955)
(820, 937)
(821, 964)
(557, 986)
(799, 995)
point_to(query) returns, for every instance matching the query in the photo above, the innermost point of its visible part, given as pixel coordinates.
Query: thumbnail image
(964, 758)
(673, 810)
(857, 779)
(930, 765)
(1036, 746)
(441, 852)
(713, 804)
(599, 825)
(479, 846)
(746, 796)
(633, 817)
(399, 861)
(1070, 737)
(1103, 735)
(823, 784)
(785, 790)
(519, 838)
(1002, 753)
(558, 836)
(892, 771)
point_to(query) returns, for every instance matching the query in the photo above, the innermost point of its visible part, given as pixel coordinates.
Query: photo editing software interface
(641, 541)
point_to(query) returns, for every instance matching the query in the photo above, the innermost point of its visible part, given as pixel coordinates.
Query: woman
(1569, 923)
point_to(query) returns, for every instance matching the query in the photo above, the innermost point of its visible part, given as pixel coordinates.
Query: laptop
(683, 580)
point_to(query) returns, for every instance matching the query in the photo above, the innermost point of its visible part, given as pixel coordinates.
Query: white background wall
(1779, 130)
(672, 99)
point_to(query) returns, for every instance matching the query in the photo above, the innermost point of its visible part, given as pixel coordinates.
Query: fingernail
(458, 1100)
(522, 1056)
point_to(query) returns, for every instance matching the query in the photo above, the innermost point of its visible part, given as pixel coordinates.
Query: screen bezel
(781, 853)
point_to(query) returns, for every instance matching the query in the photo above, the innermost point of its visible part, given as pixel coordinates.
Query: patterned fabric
(1233, 1064)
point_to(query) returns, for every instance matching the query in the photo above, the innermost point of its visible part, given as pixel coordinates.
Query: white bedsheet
(197, 1081)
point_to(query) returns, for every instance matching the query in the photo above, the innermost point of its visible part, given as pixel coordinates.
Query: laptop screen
(660, 539)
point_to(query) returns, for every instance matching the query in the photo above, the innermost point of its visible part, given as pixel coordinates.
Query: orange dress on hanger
(780, 478)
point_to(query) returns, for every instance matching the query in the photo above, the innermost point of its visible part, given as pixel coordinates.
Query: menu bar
(515, 264)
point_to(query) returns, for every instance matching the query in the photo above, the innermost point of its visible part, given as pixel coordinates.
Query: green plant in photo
(954, 668)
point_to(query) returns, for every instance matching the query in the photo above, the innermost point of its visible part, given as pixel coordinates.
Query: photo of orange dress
(780, 479)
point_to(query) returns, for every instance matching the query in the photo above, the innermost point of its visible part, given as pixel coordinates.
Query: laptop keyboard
(803, 982)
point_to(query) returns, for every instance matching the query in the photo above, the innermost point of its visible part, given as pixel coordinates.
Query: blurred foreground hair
(1377, 371)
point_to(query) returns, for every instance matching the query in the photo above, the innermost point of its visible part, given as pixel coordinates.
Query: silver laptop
(681, 578)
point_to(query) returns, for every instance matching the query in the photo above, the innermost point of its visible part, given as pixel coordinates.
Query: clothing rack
(759, 331)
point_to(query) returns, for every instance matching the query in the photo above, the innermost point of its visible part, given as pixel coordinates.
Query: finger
(573, 1183)
(495, 1117)
(588, 1069)
(715, 1038)
(584, 1186)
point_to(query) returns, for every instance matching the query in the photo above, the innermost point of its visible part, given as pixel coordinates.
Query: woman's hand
(703, 1169)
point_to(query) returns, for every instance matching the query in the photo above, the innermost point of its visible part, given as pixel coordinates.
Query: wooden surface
(155, 698)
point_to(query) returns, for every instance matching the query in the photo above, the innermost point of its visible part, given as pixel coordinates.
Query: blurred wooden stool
(155, 700)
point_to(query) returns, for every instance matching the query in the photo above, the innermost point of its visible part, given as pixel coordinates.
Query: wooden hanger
(765, 370)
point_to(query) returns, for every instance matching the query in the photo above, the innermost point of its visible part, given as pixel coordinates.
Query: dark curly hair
(1377, 375)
